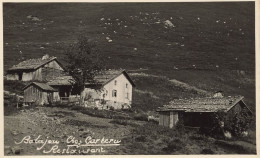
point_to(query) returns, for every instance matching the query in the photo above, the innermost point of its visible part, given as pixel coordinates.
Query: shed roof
(202, 104)
(31, 64)
(42, 86)
(63, 80)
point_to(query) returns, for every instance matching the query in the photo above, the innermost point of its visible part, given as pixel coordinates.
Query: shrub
(237, 124)
(141, 117)
(240, 123)
(141, 138)
(215, 129)
(174, 145)
(111, 108)
(14, 86)
(207, 151)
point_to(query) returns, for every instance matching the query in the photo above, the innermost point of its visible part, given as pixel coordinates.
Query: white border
(257, 45)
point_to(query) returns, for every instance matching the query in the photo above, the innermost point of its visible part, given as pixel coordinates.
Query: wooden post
(161, 118)
(173, 119)
(171, 123)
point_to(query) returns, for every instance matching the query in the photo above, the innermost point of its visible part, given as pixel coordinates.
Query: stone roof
(31, 64)
(202, 104)
(102, 78)
(42, 86)
(63, 80)
(108, 75)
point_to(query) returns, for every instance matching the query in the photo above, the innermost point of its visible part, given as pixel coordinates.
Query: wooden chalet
(42, 69)
(39, 94)
(66, 88)
(195, 112)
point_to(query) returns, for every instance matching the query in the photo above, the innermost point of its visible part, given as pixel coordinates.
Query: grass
(206, 43)
(204, 46)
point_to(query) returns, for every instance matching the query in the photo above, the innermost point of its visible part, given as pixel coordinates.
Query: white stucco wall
(121, 89)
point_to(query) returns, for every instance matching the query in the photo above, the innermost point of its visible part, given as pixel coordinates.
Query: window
(115, 82)
(114, 93)
(127, 95)
(126, 85)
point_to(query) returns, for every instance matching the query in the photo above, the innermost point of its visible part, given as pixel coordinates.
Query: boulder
(168, 23)
(227, 135)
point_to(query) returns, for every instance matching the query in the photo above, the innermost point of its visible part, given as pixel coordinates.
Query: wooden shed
(39, 94)
(195, 112)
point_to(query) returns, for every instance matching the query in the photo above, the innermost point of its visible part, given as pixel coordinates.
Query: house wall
(168, 119)
(54, 64)
(33, 75)
(12, 76)
(234, 110)
(56, 96)
(33, 94)
(52, 70)
(121, 89)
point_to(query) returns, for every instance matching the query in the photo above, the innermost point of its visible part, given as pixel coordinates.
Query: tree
(83, 63)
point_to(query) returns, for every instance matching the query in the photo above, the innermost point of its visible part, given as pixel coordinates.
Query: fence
(71, 99)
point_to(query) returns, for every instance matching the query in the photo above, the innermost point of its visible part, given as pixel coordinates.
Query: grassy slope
(228, 43)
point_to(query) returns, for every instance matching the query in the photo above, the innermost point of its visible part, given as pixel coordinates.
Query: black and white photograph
(129, 78)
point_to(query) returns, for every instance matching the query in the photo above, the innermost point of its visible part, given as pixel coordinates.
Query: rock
(29, 16)
(244, 134)
(16, 150)
(227, 135)
(168, 23)
(14, 132)
(35, 19)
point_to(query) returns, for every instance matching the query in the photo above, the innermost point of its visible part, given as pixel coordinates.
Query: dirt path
(55, 124)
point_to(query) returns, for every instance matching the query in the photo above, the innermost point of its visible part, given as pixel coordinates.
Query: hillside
(209, 46)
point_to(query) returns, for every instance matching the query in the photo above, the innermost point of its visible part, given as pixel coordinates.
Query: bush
(237, 124)
(14, 86)
(141, 117)
(174, 145)
(207, 151)
(111, 108)
(141, 138)
(215, 129)
(240, 123)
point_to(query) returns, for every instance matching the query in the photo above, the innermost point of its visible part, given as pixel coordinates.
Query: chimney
(46, 56)
(218, 94)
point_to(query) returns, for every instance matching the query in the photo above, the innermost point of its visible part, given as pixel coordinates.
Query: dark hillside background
(211, 46)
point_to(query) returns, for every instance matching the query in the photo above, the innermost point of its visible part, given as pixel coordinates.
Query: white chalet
(116, 90)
